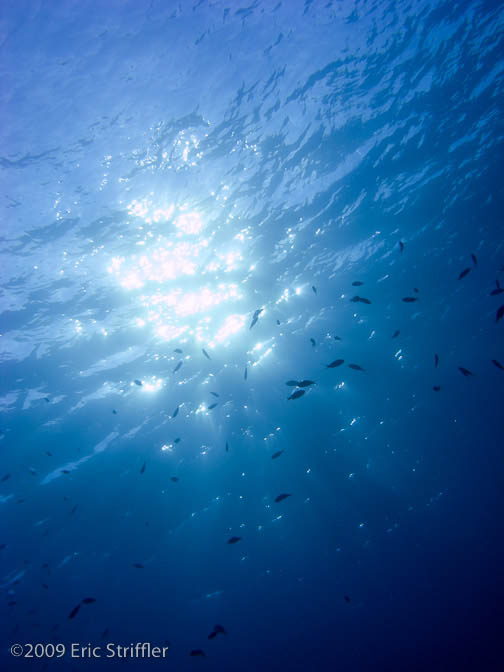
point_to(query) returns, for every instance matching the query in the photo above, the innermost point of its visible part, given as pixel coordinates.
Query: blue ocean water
(191, 192)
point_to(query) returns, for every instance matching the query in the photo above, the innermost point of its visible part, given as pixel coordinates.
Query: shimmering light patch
(190, 223)
(232, 325)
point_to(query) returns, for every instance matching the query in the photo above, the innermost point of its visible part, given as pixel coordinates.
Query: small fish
(234, 540)
(305, 383)
(312, 340)
(464, 273)
(138, 565)
(360, 299)
(497, 364)
(5, 478)
(198, 652)
(436, 360)
(212, 406)
(47, 400)
(177, 440)
(296, 395)
(218, 629)
(214, 394)
(436, 388)
(278, 322)
(88, 600)
(138, 382)
(347, 599)
(114, 411)
(357, 283)
(292, 383)
(337, 338)
(415, 289)
(245, 374)
(283, 496)
(396, 333)
(73, 510)
(175, 479)
(410, 299)
(498, 289)
(356, 367)
(255, 318)
(65, 471)
(314, 289)
(175, 412)
(74, 611)
(48, 452)
(500, 313)
(142, 470)
(475, 259)
(333, 365)
(206, 354)
(227, 447)
(32, 471)
(178, 350)
(401, 246)
(212, 634)
(177, 367)
(276, 455)
(465, 372)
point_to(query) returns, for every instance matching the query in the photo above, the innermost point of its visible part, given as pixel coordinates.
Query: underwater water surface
(251, 335)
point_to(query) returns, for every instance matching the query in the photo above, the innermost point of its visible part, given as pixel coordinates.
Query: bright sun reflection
(180, 271)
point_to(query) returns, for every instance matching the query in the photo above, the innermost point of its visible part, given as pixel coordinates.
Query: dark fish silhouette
(175, 412)
(175, 479)
(48, 452)
(283, 496)
(88, 600)
(74, 611)
(410, 299)
(498, 289)
(314, 289)
(497, 364)
(401, 245)
(177, 440)
(65, 471)
(256, 317)
(474, 258)
(500, 313)
(436, 388)
(333, 365)
(47, 400)
(198, 652)
(138, 382)
(212, 634)
(464, 273)
(177, 367)
(138, 565)
(347, 599)
(214, 394)
(277, 454)
(73, 510)
(306, 383)
(313, 342)
(296, 395)
(213, 406)
(337, 338)
(396, 334)
(219, 630)
(234, 540)
(357, 283)
(245, 374)
(205, 353)
(278, 322)
(465, 372)
(356, 367)
(436, 360)
(415, 289)
(360, 299)
(114, 411)
(292, 383)
(142, 470)
(178, 350)
(227, 447)
(5, 478)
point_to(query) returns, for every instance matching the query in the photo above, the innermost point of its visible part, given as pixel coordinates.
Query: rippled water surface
(202, 201)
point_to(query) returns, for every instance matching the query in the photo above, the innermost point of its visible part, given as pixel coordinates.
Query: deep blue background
(307, 139)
